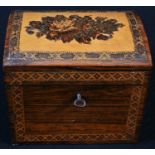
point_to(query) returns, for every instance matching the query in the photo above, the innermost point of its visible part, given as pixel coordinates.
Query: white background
(77, 2)
(78, 152)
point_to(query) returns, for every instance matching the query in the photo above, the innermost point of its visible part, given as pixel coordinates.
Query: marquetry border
(138, 55)
(18, 123)
(15, 81)
(16, 111)
(109, 76)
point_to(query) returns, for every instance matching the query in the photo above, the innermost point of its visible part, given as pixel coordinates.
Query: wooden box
(75, 76)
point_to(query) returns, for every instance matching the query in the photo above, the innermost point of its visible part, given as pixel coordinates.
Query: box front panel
(45, 110)
(51, 109)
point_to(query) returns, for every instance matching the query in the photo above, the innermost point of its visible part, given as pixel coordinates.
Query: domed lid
(76, 38)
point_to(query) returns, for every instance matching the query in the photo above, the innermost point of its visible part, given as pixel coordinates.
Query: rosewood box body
(75, 76)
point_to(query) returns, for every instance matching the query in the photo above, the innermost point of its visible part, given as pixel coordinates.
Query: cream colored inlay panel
(122, 39)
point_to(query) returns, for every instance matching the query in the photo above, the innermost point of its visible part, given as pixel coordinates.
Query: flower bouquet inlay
(82, 29)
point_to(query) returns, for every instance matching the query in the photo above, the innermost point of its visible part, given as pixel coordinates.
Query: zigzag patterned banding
(19, 77)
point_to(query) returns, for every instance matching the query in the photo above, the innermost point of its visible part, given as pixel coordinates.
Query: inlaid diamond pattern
(17, 98)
